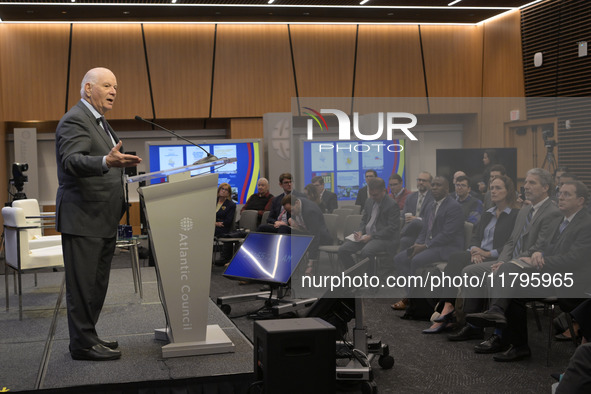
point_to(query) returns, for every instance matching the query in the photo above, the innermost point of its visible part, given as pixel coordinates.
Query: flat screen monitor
(342, 164)
(268, 257)
(242, 175)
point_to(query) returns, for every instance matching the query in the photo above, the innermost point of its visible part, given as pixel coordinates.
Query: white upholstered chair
(20, 256)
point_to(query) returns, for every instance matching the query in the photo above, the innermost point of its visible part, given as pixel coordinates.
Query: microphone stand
(207, 159)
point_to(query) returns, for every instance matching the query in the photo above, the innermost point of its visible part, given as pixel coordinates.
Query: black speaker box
(295, 356)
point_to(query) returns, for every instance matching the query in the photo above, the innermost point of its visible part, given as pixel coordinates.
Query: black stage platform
(33, 358)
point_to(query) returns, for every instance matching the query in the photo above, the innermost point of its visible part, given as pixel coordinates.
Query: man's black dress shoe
(109, 344)
(487, 319)
(96, 353)
(514, 353)
(466, 333)
(491, 345)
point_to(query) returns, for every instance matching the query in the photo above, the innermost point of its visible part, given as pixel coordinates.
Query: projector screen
(342, 164)
(241, 175)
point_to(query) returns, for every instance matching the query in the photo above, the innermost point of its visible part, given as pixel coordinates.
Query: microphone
(207, 159)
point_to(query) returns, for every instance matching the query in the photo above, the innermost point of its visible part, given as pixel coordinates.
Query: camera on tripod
(19, 179)
(549, 143)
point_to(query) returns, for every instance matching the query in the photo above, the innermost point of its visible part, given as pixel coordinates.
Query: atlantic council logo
(186, 224)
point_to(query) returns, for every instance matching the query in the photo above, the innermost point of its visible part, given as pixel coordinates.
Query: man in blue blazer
(441, 235)
(89, 204)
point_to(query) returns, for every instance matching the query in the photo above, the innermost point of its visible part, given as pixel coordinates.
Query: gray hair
(546, 179)
(90, 77)
(263, 179)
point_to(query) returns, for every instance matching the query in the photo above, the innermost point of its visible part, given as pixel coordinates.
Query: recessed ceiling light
(363, 2)
(271, 1)
(173, 1)
(454, 2)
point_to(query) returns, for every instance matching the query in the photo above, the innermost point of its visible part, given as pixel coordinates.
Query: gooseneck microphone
(207, 159)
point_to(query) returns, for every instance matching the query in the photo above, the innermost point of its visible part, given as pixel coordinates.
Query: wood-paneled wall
(236, 73)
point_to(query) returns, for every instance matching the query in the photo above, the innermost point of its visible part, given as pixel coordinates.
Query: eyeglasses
(316, 184)
(422, 180)
(461, 185)
(286, 182)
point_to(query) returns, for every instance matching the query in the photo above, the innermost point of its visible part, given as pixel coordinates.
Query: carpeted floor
(431, 363)
(423, 363)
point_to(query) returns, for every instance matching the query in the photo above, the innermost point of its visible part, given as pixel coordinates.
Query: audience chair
(19, 256)
(265, 217)
(38, 221)
(249, 219)
(342, 214)
(550, 304)
(351, 225)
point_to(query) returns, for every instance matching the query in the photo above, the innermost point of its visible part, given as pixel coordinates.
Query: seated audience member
(328, 198)
(564, 177)
(261, 200)
(224, 216)
(397, 191)
(495, 171)
(278, 216)
(471, 206)
(456, 175)
(414, 210)
(306, 218)
(379, 229)
(442, 234)
(225, 211)
(534, 229)
(311, 194)
(577, 377)
(363, 193)
(488, 238)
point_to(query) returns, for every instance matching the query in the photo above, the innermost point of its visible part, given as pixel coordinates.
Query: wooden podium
(181, 214)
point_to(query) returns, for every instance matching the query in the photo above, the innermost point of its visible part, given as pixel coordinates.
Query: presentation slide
(242, 175)
(342, 164)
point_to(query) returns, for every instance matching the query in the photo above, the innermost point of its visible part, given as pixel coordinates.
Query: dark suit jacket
(388, 221)
(330, 201)
(361, 197)
(314, 221)
(448, 227)
(569, 251)
(226, 215)
(536, 236)
(410, 206)
(503, 228)
(276, 209)
(89, 202)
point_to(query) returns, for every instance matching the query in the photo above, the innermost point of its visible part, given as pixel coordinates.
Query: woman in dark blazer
(226, 208)
(488, 237)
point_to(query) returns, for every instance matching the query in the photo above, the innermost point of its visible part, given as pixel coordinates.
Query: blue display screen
(342, 164)
(267, 257)
(242, 175)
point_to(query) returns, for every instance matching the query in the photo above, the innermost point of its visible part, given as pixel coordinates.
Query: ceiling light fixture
(363, 2)
(173, 1)
(271, 1)
(453, 2)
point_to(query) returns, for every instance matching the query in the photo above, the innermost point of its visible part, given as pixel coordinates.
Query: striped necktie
(517, 249)
(563, 225)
